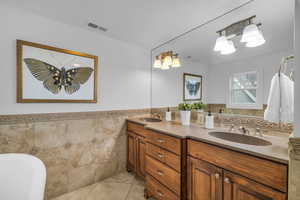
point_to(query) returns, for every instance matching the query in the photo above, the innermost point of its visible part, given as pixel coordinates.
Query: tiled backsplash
(78, 149)
(236, 119)
(215, 108)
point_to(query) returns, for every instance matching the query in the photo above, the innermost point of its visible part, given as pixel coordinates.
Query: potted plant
(199, 106)
(185, 113)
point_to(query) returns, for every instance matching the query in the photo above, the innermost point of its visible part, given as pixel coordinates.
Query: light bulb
(168, 60)
(176, 62)
(221, 43)
(256, 41)
(165, 66)
(229, 48)
(252, 36)
(157, 63)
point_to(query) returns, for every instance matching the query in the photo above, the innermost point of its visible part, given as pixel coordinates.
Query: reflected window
(243, 89)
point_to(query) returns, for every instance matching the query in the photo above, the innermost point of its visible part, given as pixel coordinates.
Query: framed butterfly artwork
(192, 87)
(48, 74)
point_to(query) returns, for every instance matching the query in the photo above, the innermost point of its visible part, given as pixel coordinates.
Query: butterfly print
(192, 87)
(55, 79)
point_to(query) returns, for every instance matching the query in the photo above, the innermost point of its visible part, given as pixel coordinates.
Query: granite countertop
(278, 151)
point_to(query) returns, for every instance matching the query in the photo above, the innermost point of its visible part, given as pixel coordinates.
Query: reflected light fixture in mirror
(230, 48)
(176, 61)
(166, 60)
(157, 63)
(251, 35)
(224, 45)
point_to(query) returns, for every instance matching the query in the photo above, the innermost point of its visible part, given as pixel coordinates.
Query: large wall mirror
(234, 77)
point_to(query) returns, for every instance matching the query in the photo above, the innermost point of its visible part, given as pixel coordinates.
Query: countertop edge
(240, 150)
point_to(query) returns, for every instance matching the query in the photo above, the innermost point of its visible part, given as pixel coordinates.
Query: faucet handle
(258, 132)
(231, 128)
(244, 130)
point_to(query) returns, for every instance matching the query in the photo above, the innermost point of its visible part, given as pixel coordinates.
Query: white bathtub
(22, 177)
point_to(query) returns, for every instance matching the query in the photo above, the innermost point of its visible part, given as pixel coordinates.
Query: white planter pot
(200, 111)
(185, 117)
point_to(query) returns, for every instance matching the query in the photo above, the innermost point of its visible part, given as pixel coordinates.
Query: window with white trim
(244, 90)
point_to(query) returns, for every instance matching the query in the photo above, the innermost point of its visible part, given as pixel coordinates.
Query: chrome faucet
(244, 131)
(231, 128)
(258, 132)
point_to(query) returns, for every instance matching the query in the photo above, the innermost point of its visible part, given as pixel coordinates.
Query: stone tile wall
(78, 149)
(294, 169)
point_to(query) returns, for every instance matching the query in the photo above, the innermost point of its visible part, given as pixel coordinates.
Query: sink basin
(238, 138)
(151, 119)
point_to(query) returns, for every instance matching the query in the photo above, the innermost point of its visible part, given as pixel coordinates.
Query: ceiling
(276, 16)
(142, 22)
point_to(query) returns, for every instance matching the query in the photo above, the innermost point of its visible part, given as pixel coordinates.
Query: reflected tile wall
(294, 166)
(78, 149)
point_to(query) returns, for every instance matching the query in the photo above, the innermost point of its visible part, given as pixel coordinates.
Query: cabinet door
(204, 180)
(240, 188)
(131, 152)
(141, 157)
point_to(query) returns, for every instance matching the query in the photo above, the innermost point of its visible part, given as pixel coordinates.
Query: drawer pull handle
(160, 173)
(160, 140)
(159, 193)
(160, 155)
(217, 175)
(227, 180)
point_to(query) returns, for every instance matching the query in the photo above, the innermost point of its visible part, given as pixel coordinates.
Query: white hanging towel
(281, 100)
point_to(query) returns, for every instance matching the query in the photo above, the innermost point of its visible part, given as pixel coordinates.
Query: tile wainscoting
(78, 149)
(294, 166)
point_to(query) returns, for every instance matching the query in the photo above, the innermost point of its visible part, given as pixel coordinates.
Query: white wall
(266, 65)
(167, 85)
(124, 69)
(297, 74)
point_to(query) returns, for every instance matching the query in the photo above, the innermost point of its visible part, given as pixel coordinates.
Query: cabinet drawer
(136, 128)
(167, 142)
(168, 158)
(167, 176)
(158, 191)
(264, 171)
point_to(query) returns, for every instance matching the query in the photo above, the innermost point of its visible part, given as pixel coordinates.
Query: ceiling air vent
(95, 26)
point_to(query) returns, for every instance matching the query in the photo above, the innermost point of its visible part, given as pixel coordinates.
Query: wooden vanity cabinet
(216, 173)
(204, 180)
(240, 188)
(136, 154)
(161, 159)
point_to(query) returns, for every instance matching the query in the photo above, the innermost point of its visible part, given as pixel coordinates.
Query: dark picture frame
(192, 87)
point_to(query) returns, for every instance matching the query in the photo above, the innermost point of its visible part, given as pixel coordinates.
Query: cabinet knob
(160, 155)
(160, 173)
(227, 180)
(160, 140)
(159, 193)
(217, 175)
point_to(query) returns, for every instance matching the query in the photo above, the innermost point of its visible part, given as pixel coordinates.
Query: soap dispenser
(168, 115)
(209, 121)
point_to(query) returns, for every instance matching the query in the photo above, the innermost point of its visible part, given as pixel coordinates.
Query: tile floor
(123, 186)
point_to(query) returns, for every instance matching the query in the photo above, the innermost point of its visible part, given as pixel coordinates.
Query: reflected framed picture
(48, 74)
(192, 87)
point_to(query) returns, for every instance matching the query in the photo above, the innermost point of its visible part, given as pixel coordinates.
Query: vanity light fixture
(166, 60)
(157, 63)
(230, 48)
(224, 45)
(251, 35)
